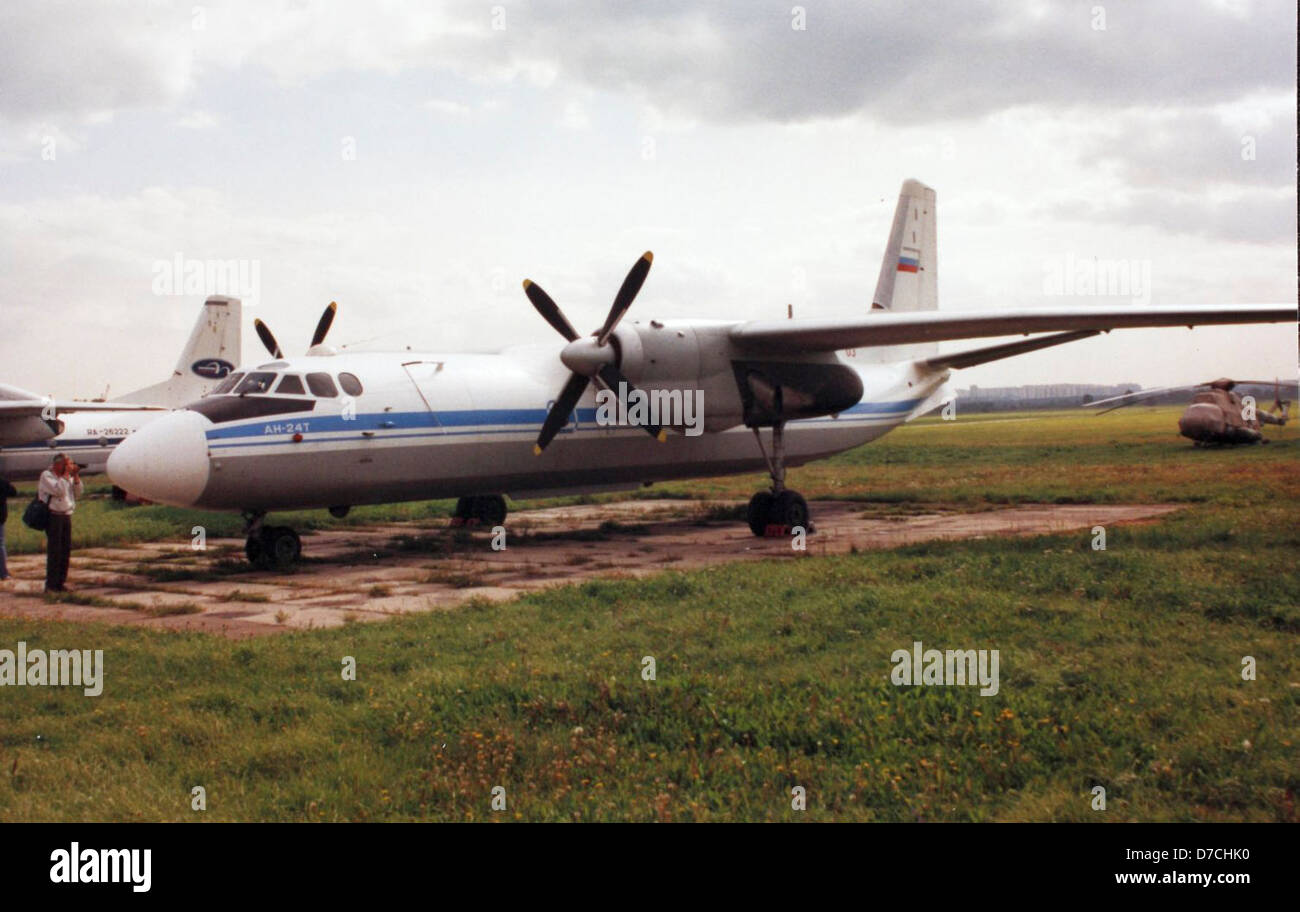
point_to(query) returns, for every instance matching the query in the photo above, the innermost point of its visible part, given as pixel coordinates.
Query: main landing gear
(484, 510)
(780, 510)
(270, 547)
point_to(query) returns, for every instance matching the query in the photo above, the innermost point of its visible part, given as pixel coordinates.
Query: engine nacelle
(737, 388)
(29, 429)
(788, 390)
(690, 358)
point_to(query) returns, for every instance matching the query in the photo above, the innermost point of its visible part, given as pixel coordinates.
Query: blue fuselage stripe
(269, 431)
(65, 443)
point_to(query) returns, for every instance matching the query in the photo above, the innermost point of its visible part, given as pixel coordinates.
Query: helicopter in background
(1217, 416)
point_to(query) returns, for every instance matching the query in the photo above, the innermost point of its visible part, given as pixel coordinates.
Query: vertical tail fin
(211, 353)
(909, 271)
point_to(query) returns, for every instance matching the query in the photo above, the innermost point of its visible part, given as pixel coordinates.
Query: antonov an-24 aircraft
(335, 430)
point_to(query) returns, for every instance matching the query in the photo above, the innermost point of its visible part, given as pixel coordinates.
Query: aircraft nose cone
(165, 461)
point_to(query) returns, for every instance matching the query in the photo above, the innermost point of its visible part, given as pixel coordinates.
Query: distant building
(1041, 395)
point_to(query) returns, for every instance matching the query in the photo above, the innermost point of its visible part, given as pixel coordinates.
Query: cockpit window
(351, 385)
(322, 385)
(255, 383)
(291, 384)
(228, 384)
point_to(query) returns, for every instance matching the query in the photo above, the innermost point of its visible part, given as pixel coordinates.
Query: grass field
(1119, 668)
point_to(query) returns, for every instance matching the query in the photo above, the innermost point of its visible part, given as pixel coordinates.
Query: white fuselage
(430, 426)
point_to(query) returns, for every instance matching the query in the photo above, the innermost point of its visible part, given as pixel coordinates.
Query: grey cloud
(1251, 217)
(1190, 149)
(896, 60)
(910, 62)
(63, 60)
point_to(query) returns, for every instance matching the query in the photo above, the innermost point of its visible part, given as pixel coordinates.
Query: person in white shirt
(59, 487)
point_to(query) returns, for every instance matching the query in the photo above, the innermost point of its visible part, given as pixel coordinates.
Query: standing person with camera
(60, 486)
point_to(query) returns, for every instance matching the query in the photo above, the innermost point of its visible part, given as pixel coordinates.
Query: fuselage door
(439, 389)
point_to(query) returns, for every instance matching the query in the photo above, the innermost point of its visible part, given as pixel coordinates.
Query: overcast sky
(415, 161)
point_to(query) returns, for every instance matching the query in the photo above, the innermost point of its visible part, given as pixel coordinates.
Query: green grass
(1118, 668)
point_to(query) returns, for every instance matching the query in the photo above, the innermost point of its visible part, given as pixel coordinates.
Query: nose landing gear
(270, 547)
(777, 512)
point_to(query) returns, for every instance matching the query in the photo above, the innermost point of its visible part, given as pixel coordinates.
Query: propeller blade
(323, 327)
(610, 376)
(549, 310)
(623, 300)
(559, 414)
(268, 340)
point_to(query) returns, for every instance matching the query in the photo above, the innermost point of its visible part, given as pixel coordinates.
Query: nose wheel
(271, 547)
(780, 510)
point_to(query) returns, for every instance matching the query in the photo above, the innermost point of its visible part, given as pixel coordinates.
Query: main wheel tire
(759, 513)
(490, 510)
(790, 510)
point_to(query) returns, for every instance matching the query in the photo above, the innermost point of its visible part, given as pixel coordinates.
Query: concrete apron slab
(368, 573)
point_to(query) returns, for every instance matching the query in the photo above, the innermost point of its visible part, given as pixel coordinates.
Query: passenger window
(351, 385)
(291, 384)
(228, 384)
(322, 385)
(255, 383)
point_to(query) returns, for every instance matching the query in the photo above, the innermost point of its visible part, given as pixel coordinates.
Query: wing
(894, 328)
(28, 418)
(26, 408)
(16, 402)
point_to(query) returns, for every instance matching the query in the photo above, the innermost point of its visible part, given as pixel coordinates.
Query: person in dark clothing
(6, 491)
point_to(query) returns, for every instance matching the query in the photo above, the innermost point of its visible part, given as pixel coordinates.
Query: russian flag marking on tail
(908, 271)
